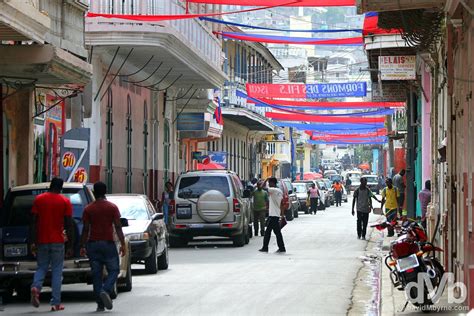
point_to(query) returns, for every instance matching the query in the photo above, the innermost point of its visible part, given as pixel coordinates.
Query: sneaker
(263, 250)
(35, 293)
(105, 297)
(262, 233)
(55, 308)
(100, 309)
(363, 237)
(280, 251)
(358, 237)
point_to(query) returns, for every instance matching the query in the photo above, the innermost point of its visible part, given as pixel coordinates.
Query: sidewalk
(381, 298)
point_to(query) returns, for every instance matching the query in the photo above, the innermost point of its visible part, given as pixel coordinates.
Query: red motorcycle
(411, 254)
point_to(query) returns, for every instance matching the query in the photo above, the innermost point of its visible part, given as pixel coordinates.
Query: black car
(146, 231)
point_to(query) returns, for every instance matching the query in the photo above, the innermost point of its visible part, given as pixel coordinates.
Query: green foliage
(362, 154)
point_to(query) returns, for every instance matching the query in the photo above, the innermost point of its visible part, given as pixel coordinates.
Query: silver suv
(210, 203)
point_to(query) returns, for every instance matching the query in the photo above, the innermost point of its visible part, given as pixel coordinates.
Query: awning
(247, 118)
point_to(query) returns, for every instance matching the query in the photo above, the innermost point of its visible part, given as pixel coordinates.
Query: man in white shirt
(276, 210)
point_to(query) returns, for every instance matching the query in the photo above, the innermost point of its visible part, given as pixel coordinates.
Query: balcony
(238, 110)
(364, 6)
(22, 20)
(187, 47)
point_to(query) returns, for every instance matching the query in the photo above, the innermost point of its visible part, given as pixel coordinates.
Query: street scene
(236, 157)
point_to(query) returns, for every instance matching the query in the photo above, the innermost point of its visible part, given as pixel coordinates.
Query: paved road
(314, 277)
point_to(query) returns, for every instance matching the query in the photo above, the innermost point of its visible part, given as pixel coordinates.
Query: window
(131, 208)
(129, 145)
(194, 187)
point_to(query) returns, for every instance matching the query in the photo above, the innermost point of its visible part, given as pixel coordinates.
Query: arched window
(109, 132)
(166, 150)
(145, 147)
(129, 145)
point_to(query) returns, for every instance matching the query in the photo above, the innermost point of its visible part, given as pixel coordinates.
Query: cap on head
(56, 184)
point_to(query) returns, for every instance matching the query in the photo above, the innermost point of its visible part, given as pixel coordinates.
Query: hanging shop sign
(75, 155)
(389, 92)
(397, 67)
(310, 91)
(190, 122)
(218, 157)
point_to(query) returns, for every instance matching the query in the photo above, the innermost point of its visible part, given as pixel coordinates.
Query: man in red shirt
(100, 218)
(51, 213)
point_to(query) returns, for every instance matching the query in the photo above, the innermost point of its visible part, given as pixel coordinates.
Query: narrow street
(314, 277)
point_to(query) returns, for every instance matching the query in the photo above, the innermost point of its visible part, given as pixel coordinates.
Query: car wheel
(250, 230)
(177, 242)
(163, 259)
(295, 214)
(126, 285)
(151, 263)
(289, 215)
(114, 292)
(23, 292)
(247, 236)
(239, 240)
(7, 295)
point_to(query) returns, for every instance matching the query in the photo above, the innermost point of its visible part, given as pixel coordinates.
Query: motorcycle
(411, 254)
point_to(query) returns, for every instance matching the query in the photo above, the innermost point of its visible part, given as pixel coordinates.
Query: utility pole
(391, 149)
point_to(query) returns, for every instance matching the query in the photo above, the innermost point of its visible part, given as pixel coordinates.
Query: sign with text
(311, 91)
(75, 155)
(389, 92)
(397, 67)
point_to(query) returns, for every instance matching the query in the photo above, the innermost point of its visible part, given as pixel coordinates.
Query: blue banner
(336, 90)
(218, 157)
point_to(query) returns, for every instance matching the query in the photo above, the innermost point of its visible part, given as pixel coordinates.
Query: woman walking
(313, 195)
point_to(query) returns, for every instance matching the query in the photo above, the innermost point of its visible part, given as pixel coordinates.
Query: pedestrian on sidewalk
(100, 218)
(363, 199)
(276, 211)
(425, 198)
(400, 185)
(260, 208)
(313, 195)
(390, 195)
(51, 215)
(348, 184)
(166, 197)
(337, 192)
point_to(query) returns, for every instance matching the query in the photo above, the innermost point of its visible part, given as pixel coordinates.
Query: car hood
(136, 226)
(301, 195)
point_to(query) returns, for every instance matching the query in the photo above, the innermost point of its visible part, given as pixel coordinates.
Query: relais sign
(397, 67)
(307, 91)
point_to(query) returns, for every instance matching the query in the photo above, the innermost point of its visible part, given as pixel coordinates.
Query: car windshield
(131, 208)
(335, 177)
(371, 179)
(18, 205)
(300, 187)
(194, 187)
(355, 176)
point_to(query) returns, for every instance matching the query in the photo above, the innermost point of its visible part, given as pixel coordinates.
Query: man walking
(400, 185)
(348, 184)
(390, 197)
(100, 218)
(260, 207)
(337, 192)
(363, 199)
(313, 195)
(276, 211)
(425, 198)
(51, 214)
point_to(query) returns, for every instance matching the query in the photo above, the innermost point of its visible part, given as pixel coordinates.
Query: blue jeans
(103, 253)
(165, 212)
(50, 255)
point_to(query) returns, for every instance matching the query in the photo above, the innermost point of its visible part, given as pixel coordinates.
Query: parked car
(335, 177)
(331, 197)
(17, 263)
(301, 190)
(146, 231)
(324, 192)
(210, 203)
(327, 173)
(372, 182)
(295, 203)
(355, 179)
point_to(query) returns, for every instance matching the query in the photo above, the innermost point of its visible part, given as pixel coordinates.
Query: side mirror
(124, 222)
(158, 216)
(247, 194)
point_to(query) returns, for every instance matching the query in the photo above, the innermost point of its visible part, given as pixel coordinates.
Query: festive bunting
(299, 3)
(273, 39)
(371, 27)
(334, 128)
(332, 105)
(167, 17)
(349, 142)
(278, 30)
(322, 119)
(310, 91)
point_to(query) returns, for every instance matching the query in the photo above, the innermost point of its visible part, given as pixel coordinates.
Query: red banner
(289, 40)
(324, 136)
(323, 119)
(286, 3)
(270, 90)
(345, 105)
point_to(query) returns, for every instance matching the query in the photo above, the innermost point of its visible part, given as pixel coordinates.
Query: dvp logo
(424, 284)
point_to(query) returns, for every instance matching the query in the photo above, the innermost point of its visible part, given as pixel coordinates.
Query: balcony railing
(193, 32)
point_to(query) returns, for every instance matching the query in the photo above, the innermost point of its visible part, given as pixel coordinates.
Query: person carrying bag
(276, 216)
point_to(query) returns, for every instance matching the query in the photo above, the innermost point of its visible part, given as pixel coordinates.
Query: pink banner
(318, 104)
(283, 90)
(298, 3)
(289, 40)
(323, 119)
